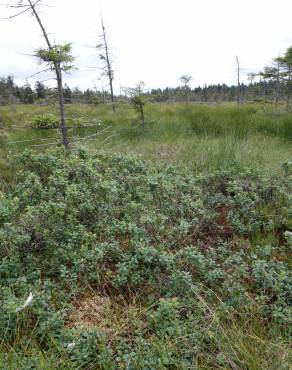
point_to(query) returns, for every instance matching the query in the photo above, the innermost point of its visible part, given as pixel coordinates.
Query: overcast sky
(154, 41)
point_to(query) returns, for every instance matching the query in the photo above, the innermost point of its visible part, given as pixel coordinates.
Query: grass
(234, 341)
(192, 136)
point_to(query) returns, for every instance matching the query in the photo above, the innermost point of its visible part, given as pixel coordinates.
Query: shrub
(44, 121)
(189, 255)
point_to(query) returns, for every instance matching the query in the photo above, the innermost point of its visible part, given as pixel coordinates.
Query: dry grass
(114, 316)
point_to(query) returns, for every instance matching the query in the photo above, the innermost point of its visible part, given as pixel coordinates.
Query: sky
(155, 41)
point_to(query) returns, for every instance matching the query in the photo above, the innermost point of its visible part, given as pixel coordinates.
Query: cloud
(154, 41)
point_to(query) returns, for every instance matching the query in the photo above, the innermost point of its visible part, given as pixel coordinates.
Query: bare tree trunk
(288, 87)
(238, 82)
(277, 85)
(109, 67)
(62, 108)
(58, 72)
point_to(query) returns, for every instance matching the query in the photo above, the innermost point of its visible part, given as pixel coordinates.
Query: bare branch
(37, 73)
(48, 144)
(16, 15)
(90, 136)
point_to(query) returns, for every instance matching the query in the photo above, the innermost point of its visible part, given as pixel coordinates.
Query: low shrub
(201, 262)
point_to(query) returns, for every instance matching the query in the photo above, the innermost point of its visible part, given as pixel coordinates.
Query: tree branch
(37, 73)
(16, 15)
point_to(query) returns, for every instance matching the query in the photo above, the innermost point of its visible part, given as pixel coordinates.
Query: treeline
(11, 93)
(257, 91)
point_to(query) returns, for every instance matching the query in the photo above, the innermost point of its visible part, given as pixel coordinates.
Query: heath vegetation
(146, 230)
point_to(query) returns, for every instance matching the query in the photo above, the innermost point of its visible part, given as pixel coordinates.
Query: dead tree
(277, 95)
(58, 58)
(238, 81)
(105, 57)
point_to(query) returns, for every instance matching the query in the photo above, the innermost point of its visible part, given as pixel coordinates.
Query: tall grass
(196, 136)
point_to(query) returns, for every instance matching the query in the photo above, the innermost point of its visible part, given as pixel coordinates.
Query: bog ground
(193, 136)
(167, 247)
